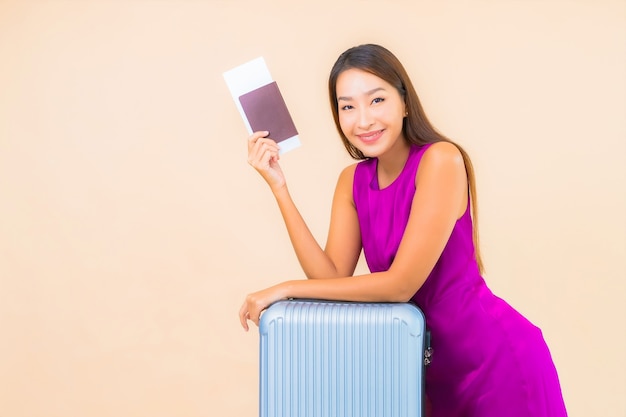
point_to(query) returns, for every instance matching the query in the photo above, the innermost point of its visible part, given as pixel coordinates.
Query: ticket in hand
(261, 104)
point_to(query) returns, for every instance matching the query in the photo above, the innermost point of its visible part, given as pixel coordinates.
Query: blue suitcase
(342, 359)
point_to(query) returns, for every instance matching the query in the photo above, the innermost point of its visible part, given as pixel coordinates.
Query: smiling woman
(406, 205)
(371, 112)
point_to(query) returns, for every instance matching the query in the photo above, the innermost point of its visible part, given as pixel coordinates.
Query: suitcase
(342, 359)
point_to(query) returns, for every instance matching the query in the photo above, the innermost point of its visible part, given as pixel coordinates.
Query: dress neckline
(374, 184)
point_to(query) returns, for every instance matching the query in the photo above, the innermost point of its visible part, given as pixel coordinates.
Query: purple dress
(488, 360)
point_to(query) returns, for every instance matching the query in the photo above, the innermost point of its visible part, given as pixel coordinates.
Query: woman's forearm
(313, 260)
(375, 287)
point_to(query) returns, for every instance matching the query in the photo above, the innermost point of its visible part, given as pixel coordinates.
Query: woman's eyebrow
(367, 93)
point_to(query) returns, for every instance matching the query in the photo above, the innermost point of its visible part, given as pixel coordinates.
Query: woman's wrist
(285, 290)
(280, 192)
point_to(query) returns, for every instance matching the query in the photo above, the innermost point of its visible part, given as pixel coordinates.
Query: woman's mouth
(371, 136)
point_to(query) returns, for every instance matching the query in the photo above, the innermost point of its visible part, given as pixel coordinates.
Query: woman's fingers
(253, 138)
(259, 138)
(248, 311)
(243, 316)
(251, 310)
(261, 154)
(264, 146)
(259, 144)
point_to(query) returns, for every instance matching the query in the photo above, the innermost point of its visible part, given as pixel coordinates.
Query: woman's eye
(346, 107)
(378, 100)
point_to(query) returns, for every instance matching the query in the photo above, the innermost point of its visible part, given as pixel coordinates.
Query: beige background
(131, 226)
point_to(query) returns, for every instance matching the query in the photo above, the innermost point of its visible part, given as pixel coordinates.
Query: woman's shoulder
(442, 154)
(345, 181)
(352, 171)
(348, 171)
(440, 159)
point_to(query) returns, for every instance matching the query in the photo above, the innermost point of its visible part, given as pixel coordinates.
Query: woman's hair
(416, 127)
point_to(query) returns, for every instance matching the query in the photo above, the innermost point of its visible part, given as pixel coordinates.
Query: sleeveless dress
(488, 360)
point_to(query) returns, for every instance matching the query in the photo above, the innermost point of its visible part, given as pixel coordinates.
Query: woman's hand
(255, 303)
(263, 156)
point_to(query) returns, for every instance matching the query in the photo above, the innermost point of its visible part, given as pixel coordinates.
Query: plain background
(131, 226)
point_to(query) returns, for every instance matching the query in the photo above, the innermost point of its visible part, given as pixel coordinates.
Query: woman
(408, 204)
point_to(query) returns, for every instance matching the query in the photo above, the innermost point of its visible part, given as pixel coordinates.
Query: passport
(261, 104)
(266, 109)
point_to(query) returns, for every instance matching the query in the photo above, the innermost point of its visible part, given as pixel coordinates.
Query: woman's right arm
(343, 247)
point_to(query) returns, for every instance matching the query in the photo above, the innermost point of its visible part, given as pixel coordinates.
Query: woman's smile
(372, 136)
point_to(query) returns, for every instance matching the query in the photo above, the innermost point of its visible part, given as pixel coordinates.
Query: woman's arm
(343, 246)
(344, 243)
(440, 199)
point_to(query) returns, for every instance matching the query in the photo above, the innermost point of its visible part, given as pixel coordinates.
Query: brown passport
(265, 109)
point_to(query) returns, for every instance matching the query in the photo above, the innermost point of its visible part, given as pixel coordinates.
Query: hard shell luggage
(342, 359)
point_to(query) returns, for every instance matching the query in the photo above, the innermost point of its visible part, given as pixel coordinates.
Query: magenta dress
(488, 360)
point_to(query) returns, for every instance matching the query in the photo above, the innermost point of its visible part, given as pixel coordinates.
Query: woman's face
(371, 111)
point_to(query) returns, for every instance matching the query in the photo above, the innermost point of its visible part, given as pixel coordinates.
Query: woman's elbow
(401, 297)
(402, 289)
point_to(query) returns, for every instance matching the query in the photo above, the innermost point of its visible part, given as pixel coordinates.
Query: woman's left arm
(440, 199)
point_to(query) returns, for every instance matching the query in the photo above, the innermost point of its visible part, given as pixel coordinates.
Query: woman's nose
(365, 119)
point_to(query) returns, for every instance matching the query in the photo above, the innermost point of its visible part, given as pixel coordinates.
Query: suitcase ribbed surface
(323, 359)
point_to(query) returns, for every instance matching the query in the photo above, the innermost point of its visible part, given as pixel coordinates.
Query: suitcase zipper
(428, 350)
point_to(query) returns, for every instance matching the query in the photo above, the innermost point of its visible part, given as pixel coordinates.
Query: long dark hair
(416, 127)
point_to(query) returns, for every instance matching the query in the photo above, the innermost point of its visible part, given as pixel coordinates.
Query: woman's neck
(391, 163)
